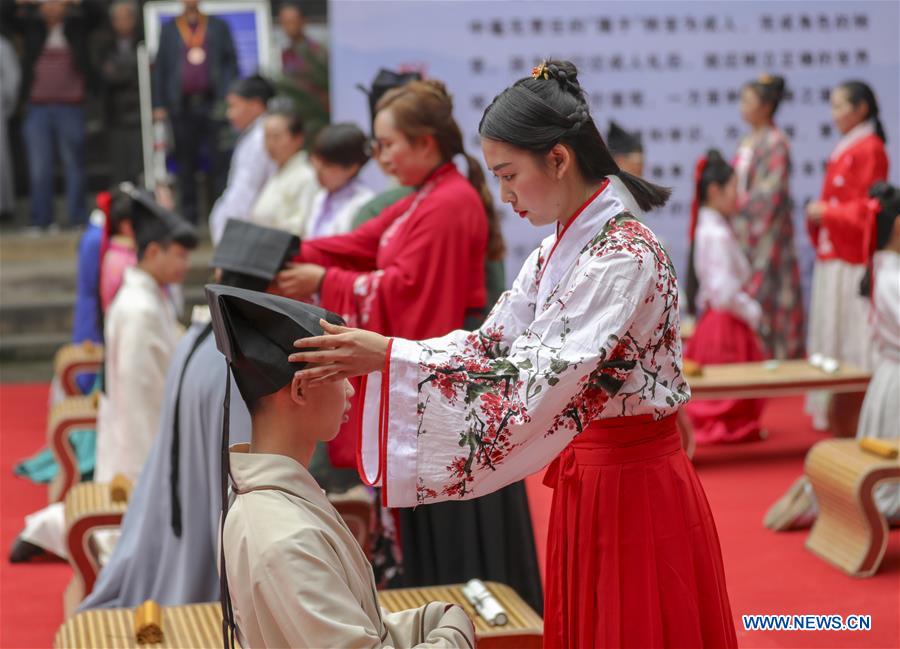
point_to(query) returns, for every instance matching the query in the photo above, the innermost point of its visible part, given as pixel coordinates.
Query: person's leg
(219, 158)
(184, 129)
(70, 129)
(39, 145)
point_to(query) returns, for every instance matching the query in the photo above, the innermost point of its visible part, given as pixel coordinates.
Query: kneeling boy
(293, 573)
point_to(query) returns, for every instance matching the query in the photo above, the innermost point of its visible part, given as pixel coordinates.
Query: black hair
(253, 87)
(538, 112)
(711, 170)
(342, 144)
(888, 197)
(119, 210)
(860, 91)
(284, 107)
(770, 90)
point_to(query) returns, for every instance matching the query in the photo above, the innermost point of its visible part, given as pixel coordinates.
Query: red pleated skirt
(633, 557)
(721, 338)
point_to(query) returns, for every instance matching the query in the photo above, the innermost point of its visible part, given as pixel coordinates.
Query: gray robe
(149, 561)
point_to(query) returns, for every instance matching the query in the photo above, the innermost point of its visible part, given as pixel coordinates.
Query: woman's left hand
(299, 281)
(341, 353)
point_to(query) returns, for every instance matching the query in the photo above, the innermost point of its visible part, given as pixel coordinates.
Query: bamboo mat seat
(199, 626)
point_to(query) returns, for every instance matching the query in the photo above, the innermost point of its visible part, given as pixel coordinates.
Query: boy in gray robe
(167, 549)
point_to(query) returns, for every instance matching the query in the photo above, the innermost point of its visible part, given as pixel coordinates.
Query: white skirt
(838, 325)
(880, 417)
(839, 316)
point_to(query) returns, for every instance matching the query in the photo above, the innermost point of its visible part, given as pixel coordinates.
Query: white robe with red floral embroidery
(588, 331)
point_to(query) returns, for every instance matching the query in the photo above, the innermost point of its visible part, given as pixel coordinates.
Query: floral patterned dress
(766, 232)
(579, 364)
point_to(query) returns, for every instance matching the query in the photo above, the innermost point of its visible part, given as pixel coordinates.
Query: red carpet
(30, 594)
(767, 572)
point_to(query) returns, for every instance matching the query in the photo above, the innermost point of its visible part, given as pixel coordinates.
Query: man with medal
(195, 64)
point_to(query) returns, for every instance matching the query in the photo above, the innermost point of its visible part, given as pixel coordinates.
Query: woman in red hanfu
(417, 270)
(718, 278)
(840, 226)
(578, 366)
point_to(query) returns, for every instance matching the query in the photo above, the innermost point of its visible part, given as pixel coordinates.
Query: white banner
(672, 70)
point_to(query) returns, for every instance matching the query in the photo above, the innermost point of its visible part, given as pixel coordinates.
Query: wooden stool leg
(843, 413)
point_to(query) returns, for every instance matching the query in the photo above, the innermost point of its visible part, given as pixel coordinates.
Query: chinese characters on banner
(671, 70)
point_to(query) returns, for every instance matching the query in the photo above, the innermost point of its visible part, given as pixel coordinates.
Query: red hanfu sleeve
(424, 282)
(355, 250)
(849, 219)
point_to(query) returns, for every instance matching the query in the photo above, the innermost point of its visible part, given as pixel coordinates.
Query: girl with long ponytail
(578, 366)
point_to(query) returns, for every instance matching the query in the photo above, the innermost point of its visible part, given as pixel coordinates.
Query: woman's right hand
(341, 353)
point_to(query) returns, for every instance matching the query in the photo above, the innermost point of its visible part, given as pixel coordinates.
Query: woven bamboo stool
(89, 507)
(73, 413)
(849, 533)
(74, 359)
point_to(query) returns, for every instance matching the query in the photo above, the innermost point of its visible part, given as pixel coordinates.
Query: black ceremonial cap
(152, 222)
(256, 333)
(254, 250)
(620, 141)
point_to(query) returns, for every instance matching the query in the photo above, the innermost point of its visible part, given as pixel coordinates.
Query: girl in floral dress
(717, 282)
(764, 225)
(578, 366)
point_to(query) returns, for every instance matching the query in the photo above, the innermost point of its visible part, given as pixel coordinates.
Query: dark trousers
(52, 128)
(197, 133)
(126, 153)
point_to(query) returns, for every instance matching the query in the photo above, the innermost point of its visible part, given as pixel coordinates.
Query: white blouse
(722, 269)
(589, 330)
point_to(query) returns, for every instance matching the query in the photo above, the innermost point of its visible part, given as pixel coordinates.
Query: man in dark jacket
(56, 77)
(195, 64)
(116, 62)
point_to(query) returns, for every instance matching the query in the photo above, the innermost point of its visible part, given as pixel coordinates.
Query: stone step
(30, 347)
(52, 314)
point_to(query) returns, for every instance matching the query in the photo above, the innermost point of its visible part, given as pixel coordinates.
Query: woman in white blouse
(286, 199)
(338, 155)
(717, 287)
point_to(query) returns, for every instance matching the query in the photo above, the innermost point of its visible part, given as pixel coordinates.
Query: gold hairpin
(540, 71)
(765, 78)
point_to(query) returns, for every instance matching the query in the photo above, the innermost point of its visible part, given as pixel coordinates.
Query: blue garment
(149, 560)
(42, 467)
(48, 128)
(86, 319)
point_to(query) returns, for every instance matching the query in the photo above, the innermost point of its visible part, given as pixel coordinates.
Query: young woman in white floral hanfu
(579, 366)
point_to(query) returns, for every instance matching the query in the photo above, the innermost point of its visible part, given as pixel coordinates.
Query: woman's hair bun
(439, 89)
(566, 74)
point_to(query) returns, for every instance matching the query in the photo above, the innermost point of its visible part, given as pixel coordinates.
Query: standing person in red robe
(579, 366)
(417, 271)
(839, 225)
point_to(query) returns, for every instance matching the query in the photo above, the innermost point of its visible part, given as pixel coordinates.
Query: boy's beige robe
(297, 576)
